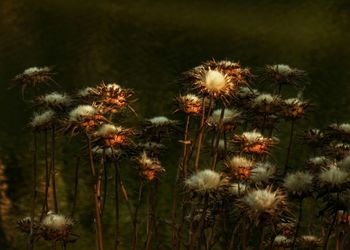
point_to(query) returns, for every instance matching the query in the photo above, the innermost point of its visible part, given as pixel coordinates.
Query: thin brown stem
(135, 218)
(289, 148)
(34, 191)
(117, 212)
(45, 207)
(76, 182)
(53, 169)
(217, 139)
(298, 223)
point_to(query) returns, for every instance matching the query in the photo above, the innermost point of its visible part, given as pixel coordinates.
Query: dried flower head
(43, 121)
(190, 104)
(283, 242)
(112, 136)
(108, 152)
(298, 183)
(161, 121)
(240, 167)
(150, 168)
(254, 142)
(262, 173)
(339, 131)
(314, 138)
(284, 74)
(338, 151)
(266, 103)
(293, 108)
(204, 181)
(228, 120)
(54, 100)
(24, 225)
(316, 164)
(56, 227)
(309, 242)
(334, 177)
(263, 204)
(34, 76)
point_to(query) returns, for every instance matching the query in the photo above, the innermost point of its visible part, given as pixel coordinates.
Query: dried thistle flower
(338, 151)
(293, 108)
(261, 204)
(150, 168)
(266, 104)
(282, 74)
(254, 142)
(314, 138)
(240, 167)
(24, 225)
(309, 242)
(34, 76)
(56, 227)
(339, 131)
(112, 136)
(108, 152)
(298, 183)
(316, 164)
(262, 173)
(229, 119)
(43, 121)
(334, 178)
(204, 181)
(282, 242)
(54, 100)
(190, 104)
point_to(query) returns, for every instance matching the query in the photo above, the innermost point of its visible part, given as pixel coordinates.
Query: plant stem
(217, 139)
(99, 242)
(47, 179)
(76, 182)
(116, 197)
(325, 246)
(53, 170)
(135, 220)
(298, 223)
(34, 192)
(286, 164)
(200, 136)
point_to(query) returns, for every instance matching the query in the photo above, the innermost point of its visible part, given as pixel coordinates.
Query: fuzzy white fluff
(113, 86)
(229, 115)
(263, 98)
(82, 111)
(35, 70)
(107, 151)
(262, 172)
(57, 98)
(345, 127)
(56, 222)
(240, 162)
(108, 129)
(333, 176)
(214, 80)
(260, 200)
(161, 121)
(85, 91)
(318, 160)
(293, 101)
(252, 136)
(298, 182)
(43, 118)
(281, 240)
(282, 69)
(191, 98)
(204, 180)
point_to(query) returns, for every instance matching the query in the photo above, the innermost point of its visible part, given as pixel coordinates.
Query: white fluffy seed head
(214, 80)
(281, 240)
(252, 137)
(318, 160)
(191, 98)
(262, 172)
(229, 116)
(43, 118)
(333, 176)
(55, 98)
(203, 181)
(240, 162)
(108, 129)
(261, 200)
(263, 98)
(298, 182)
(293, 101)
(113, 86)
(35, 70)
(85, 92)
(81, 112)
(345, 127)
(56, 222)
(160, 121)
(282, 69)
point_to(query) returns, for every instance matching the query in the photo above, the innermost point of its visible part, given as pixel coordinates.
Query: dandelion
(259, 203)
(56, 227)
(299, 183)
(263, 172)
(204, 181)
(43, 121)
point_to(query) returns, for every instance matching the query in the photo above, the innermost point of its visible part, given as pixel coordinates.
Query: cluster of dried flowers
(229, 191)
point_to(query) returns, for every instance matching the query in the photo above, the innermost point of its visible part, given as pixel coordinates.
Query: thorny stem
(76, 182)
(217, 139)
(289, 148)
(99, 243)
(325, 246)
(32, 214)
(53, 170)
(298, 223)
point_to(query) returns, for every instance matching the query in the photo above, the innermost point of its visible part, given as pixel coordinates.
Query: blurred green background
(145, 45)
